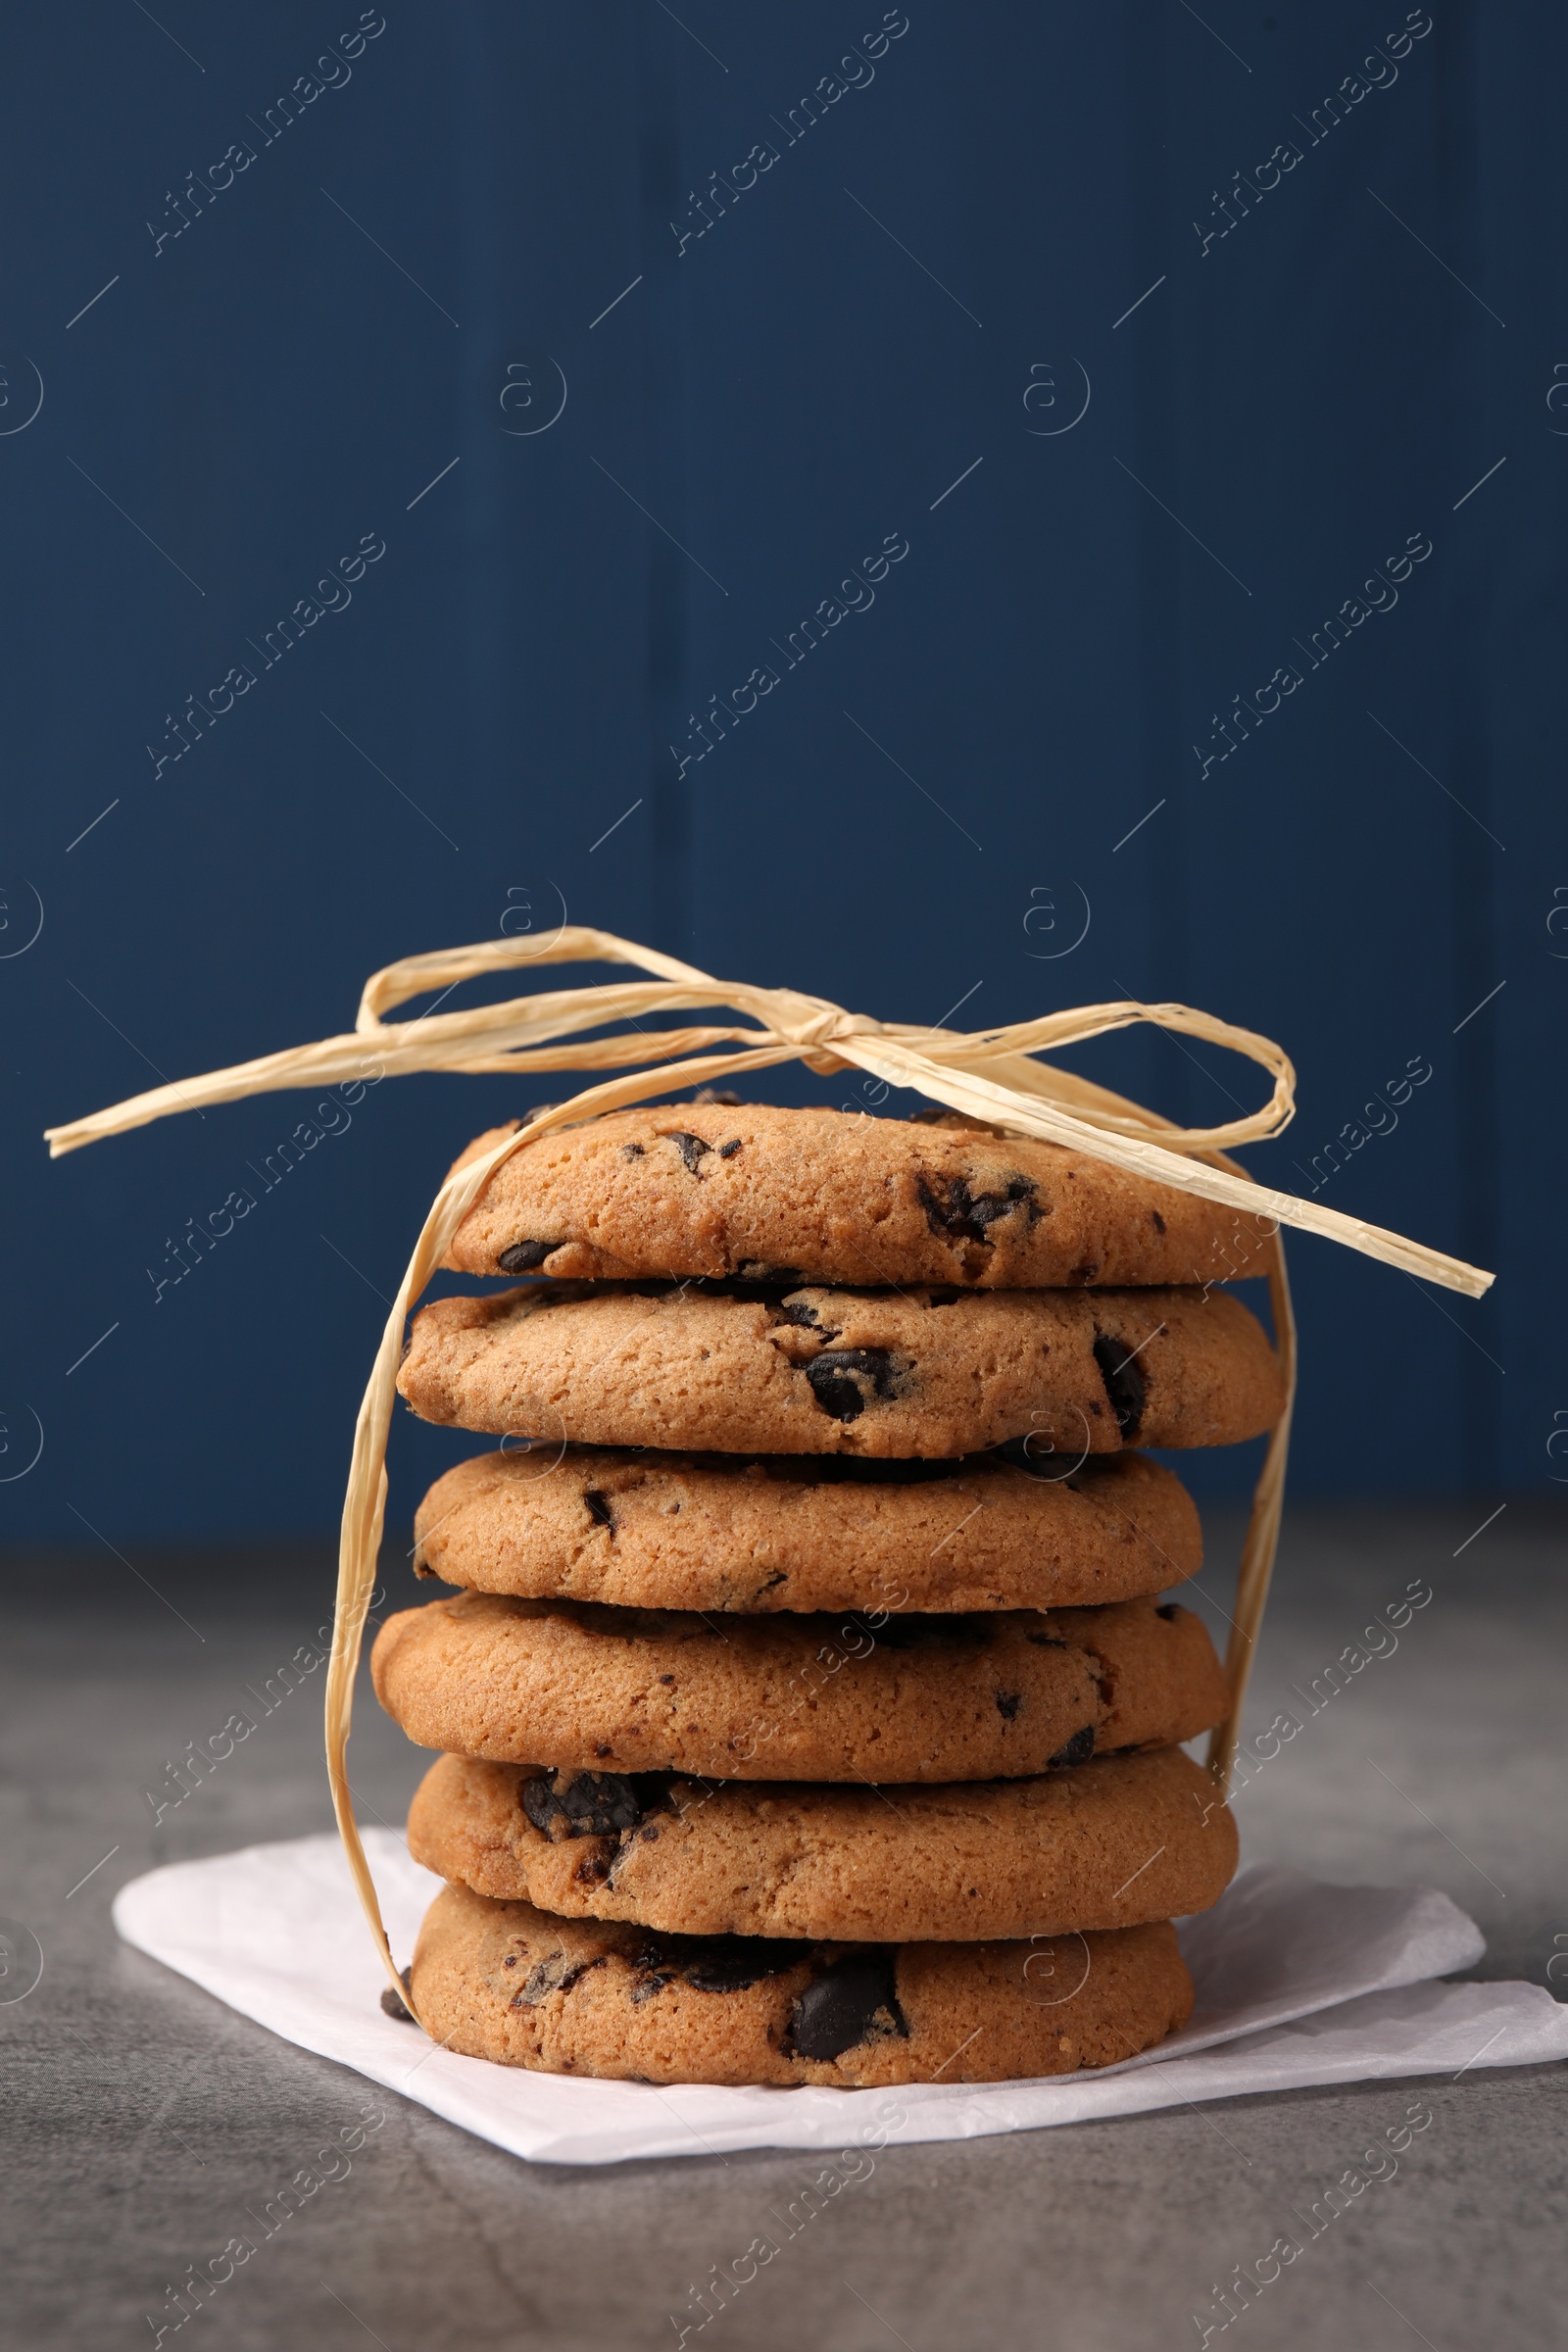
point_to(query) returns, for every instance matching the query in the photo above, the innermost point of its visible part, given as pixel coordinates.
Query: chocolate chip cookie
(1108, 1843)
(504, 1982)
(886, 1373)
(718, 1531)
(825, 1195)
(863, 1696)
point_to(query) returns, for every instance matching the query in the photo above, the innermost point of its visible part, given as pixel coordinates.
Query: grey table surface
(145, 2119)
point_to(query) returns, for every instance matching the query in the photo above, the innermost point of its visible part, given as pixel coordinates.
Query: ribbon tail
(981, 1098)
(1256, 1569)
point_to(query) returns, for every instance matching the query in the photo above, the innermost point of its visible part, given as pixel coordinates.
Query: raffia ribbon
(989, 1073)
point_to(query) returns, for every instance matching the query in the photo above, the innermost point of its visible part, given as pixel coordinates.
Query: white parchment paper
(1298, 1983)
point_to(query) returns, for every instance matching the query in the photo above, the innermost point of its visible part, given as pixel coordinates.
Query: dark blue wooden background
(940, 261)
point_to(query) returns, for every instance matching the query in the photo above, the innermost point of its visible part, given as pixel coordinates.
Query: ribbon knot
(825, 1029)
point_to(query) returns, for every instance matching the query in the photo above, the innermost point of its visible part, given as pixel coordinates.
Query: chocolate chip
(845, 1380)
(1168, 1610)
(722, 1095)
(691, 1148)
(557, 1973)
(963, 1214)
(631, 1151)
(599, 1508)
(1157, 1220)
(801, 1311)
(538, 1111)
(730, 1965)
(1007, 1704)
(594, 1868)
(712, 1963)
(1126, 1388)
(937, 1114)
(523, 1256)
(852, 2000)
(589, 1804)
(1079, 1749)
(392, 2005)
(1084, 1273)
(728, 1150)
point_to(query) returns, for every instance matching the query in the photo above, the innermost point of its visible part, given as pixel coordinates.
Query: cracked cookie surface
(717, 1532)
(827, 1195)
(505, 1981)
(743, 1368)
(880, 1697)
(1108, 1843)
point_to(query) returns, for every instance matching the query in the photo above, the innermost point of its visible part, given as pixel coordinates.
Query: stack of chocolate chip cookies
(808, 1710)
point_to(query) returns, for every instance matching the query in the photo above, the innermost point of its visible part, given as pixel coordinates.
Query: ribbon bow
(991, 1074)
